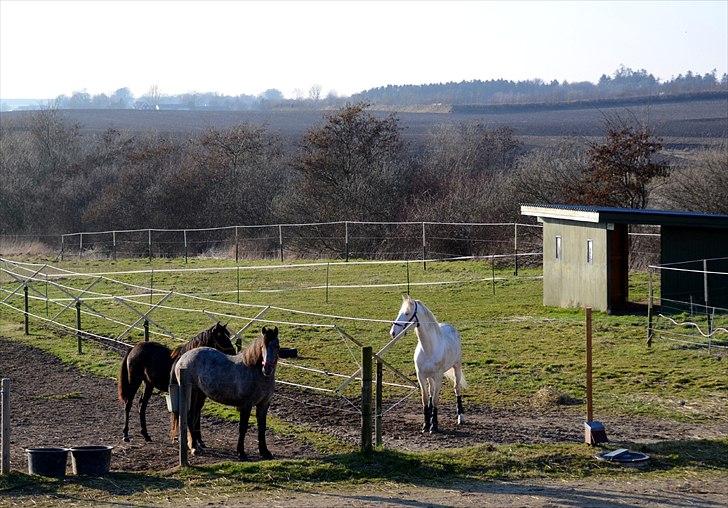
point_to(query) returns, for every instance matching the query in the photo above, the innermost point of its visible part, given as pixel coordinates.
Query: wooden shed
(586, 254)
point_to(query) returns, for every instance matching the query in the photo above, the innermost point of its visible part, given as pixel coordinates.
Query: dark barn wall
(691, 243)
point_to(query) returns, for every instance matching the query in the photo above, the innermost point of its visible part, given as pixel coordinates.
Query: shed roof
(608, 214)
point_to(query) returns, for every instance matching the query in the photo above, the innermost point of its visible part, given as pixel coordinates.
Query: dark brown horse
(151, 363)
(242, 381)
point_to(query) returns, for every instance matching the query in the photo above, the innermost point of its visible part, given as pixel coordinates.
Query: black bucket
(47, 461)
(91, 460)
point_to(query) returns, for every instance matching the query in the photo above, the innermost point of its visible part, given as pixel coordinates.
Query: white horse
(438, 353)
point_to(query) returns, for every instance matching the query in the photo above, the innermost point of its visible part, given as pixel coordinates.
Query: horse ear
(263, 330)
(275, 330)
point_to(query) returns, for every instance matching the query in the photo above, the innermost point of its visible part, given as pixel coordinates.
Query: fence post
(589, 407)
(424, 248)
(327, 282)
(515, 248)
(378, 405)
(711, 323)
(649, 311)
(146, 330)
(63, 237)
(492, 272)
(408, 277)
(366, 399)
(149, 241)
(185, 238)
(182, 407)
(113, 243)
(346, 241)
(5, 430)
(151, 285)
(80, 245)
(78, 325)
(25, 306)
(705, 287)
(236, 245)
(280, 241)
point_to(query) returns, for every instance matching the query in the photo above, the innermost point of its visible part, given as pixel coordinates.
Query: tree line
(353, 165)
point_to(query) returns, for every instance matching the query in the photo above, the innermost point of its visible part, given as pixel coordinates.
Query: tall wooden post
(378, 405)
(146, 330)
(78, 325)
(63, 237)
(589, 407)
(649, 311)
(113, 244)
(149, 242)
(26, 317)
(366, 399)
(280, 241)
(80, 245)
(5, 426)
(182, 411)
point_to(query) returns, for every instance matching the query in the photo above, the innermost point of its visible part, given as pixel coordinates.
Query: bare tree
(701, 184)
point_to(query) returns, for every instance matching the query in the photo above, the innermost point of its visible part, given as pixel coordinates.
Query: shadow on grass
(114, 484)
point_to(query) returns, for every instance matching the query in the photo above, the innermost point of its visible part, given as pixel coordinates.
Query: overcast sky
(52, 48)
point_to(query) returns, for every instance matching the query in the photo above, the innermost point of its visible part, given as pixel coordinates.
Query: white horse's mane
(425, 315)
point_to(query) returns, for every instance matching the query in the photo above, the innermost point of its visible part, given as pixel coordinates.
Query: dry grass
(19, 247)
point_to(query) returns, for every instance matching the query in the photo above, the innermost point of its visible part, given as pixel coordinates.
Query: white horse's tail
(450, 374)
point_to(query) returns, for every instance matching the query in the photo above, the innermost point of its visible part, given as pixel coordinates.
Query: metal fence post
(63, 237)
(424, 248)
(492, 272)
(146, 330)
(185, 239)
(378, 405)
(515, 248)
(80, 245)
(149, 241)
(236, 245)
(408, 277)
(346, 241)
(366, 399)
(113, 243)
(280, 240)
(5, 426)
(26, 317)
(589, 406)
(78, 325)
(182, 408)
(649, 311)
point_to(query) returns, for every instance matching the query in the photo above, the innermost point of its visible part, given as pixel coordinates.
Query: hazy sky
(52, 48)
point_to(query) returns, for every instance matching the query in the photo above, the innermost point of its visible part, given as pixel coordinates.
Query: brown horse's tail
(124, 386)
(174, 415)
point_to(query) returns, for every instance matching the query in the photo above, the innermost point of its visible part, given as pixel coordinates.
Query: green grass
(512, 344)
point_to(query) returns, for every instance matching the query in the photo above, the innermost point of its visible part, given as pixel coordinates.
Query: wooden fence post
(146, 330)
(182, 408)
(492, 272)
(149, 241)
(515, 249)
(63, 237)
(280, 241)
(378, 405)
(78, 325)
(327, 282)
(113, 243)
(589, 407)
(26, 317)
(80, 245)
(185, 239)
(5, 429)
(236, 245)
(366, 399)
(408, 277)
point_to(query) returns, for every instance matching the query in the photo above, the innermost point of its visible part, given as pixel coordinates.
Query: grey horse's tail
(174, 415)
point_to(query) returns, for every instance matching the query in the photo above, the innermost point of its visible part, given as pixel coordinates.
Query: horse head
(407, 315)
(220, 339)
(269, 350)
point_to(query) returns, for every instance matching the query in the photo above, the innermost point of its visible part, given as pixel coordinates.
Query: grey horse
(243, 381)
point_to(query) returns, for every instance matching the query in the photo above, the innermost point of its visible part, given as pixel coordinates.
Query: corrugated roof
(604, 214)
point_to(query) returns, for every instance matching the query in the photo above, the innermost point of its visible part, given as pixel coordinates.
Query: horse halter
(414, 319)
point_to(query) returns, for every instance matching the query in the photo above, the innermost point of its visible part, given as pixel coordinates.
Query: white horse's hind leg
(458, 391)
(425, 394)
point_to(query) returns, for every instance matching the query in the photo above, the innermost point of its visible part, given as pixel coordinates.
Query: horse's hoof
(461, 420)
(147, 438)
(242, 457)
(433, 430)
(266, 455)
(201, 444)
(425, 428)
(126, 439)
(196, 451)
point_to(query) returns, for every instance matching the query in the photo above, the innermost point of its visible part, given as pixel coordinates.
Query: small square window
(558, 247)
(589, 251)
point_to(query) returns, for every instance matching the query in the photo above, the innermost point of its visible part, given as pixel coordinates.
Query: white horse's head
(407, 315)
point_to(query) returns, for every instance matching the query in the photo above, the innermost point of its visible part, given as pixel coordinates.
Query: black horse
(151, 363)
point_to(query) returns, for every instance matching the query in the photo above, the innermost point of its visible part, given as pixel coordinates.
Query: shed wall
(571, 281)
(688, 243)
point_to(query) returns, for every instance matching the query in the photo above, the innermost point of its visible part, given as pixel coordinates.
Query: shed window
(558, 247)
(589, 251)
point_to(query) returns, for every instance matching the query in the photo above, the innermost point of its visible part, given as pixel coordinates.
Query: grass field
(512, 345)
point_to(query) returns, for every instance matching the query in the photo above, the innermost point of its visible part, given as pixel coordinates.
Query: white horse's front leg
(435, 391)
(425, 394)
(458, 391)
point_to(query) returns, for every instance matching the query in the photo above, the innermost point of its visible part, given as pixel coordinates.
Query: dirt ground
(54, 404)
